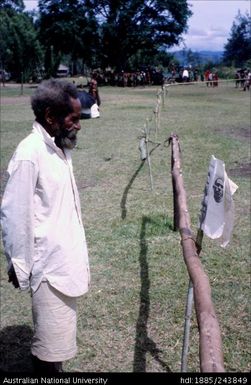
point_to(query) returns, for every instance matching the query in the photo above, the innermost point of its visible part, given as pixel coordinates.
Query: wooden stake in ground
(157, 114)
(163, 94)
(142, 148)
(146, 128)
(211, 357)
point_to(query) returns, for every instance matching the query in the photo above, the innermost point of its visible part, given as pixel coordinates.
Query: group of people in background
(211, 78)
(243, 79)
(185, 74)
(141, 77)
(90, 100)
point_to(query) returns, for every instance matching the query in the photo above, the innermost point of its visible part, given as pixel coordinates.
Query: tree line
(121, 34)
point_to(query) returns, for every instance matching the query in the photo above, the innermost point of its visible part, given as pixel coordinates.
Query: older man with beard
(43, 234)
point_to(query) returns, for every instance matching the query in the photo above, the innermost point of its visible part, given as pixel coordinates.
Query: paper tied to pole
(217, 207)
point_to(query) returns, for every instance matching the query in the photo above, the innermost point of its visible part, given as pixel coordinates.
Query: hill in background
(187, 57)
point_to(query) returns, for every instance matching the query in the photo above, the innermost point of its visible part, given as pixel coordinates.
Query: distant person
(89, 108)
(93, 90)
(242, 77)
(185, 75)
(90, 101)
(43, 234)
(237, 79)
(247, 83)
(215, 79)
(206, 75)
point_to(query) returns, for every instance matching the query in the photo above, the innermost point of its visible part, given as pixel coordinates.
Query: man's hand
(13, 278)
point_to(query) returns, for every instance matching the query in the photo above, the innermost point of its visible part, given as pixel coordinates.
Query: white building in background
(63, 71)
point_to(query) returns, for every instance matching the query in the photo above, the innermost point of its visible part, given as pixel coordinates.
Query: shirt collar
(38, 129)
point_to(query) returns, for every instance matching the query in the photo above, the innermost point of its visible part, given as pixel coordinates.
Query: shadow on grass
(124, 197)
(15, 353)
(143, 343)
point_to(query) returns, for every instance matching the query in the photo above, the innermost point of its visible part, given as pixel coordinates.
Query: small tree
(238, 48)
(20, 51)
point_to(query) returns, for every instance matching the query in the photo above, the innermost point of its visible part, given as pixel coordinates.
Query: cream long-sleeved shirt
(43, 234)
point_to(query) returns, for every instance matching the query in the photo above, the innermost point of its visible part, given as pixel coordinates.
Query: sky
(210, 25)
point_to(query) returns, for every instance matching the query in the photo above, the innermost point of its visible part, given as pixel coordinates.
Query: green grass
(132, 318)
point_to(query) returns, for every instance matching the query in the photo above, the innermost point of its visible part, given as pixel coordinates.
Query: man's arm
(13, 277)
(17, 219)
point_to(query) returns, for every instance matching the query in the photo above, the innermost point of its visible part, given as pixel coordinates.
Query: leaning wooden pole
(189, 310)
(211, 356)
(187, 325)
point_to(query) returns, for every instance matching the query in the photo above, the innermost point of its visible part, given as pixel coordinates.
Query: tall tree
(13, 5)
(67, 28)
(111, 32)
(238, 48)
(130, 26)
(20, 51)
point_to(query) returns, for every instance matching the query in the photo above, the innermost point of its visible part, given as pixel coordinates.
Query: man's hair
(55, 94)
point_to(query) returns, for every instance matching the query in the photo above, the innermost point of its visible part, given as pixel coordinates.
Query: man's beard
(66, 139)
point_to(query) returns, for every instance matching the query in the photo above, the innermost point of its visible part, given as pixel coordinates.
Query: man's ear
(49, 117)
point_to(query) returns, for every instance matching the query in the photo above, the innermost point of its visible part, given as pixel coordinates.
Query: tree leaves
(238, 48)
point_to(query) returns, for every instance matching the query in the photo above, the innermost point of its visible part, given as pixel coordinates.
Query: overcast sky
(210, 25)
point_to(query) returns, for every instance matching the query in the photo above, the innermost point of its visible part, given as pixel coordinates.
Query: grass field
(132, 318)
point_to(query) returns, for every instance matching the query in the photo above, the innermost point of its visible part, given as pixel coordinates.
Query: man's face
(218, 190)
(69, 126)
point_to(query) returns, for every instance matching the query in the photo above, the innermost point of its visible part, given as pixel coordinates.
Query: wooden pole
(157, 114)
(175, 204)
(211, 357)
(142, 148)
(163, 94)
(146, 128)
(156, 111)
(188, 316)
(189, 310)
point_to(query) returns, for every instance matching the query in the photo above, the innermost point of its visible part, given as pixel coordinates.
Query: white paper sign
(217, 211)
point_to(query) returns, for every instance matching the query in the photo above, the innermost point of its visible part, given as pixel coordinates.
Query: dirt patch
(85, 183)
(15, 100)
(243, 169)
(241, 133)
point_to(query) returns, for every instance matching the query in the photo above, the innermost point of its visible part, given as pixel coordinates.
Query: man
(93, 90)
(218, 190)
(90, 101)
(247, 80)
(89, 107)
(185, 75)
(43, 234)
